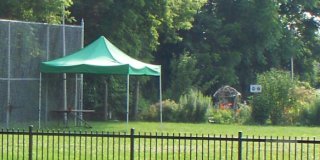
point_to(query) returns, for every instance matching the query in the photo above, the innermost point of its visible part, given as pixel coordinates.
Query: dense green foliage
(40, 11)
(192, 107)
(275, 98)
(200, 44)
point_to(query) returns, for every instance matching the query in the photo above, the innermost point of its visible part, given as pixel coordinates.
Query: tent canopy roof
(100, 57)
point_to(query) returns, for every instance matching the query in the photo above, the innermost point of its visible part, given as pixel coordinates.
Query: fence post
(239, 145)
(30, 142)
(132, 144)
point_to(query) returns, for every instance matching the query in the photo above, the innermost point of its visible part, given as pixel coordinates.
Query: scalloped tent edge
(101, 57)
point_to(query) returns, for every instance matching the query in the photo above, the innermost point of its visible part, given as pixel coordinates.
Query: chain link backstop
(23, 46)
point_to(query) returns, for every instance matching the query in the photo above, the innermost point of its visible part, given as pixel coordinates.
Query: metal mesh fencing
(23, 46)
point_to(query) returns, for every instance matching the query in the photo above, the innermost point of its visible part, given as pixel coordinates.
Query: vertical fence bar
(102, 150)
(139, 145)
(265, 148)
(156, 145)
(314, 148)
(167, 145)
(63, 145)
(91, 143)
(295, 148)
(69, 144)
(226, 145)
(75, 147)
(259, 148)
(2, 151)
(252, 153)
(283, 146)
(12, 148)
(308, 149)
(18, 144)
(239, 145)
(190, 146)
(220, 147)
(208, 143)
(247, 148)
(185, 146)
(124, 146)
(202, 147)
(196, 146)
(108, 146)
(214, 147)
(161, 146)
(23, 144)
(37, 145)
(48, 145)
(277, 148)
(144, 146)
(301, 148)
(271, 148)
(231, 147)
(179, 135)
(30, 142)
(132, 144)
(150, 148)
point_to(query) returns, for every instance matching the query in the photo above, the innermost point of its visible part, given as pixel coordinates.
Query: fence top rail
(40, 23)
(167, 136)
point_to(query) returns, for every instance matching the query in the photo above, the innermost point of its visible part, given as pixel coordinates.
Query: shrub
(304, 97)
(223, 116)
(275, 97)
(243, 114)
(169, 111)
(193, 106)
(310, 115)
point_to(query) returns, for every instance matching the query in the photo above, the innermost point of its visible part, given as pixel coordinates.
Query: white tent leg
(40, 98)
(65, 98)
(128, 83)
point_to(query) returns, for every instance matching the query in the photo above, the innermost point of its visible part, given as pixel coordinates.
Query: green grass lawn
(205, 128)
(82, 146)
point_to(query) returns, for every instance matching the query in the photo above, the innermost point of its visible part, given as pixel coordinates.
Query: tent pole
(128, 83)
(46, 82)
(64, 74)
(160, 97)
(76, 98)
(81, 76)
(9, 77)
(40, 92)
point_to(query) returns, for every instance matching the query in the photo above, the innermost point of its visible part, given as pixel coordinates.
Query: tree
(137, 27)
(300, 38)
(36, 10)
(184, 75)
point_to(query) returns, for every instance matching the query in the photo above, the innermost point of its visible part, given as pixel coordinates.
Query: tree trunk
(136, 104)
(106, 104)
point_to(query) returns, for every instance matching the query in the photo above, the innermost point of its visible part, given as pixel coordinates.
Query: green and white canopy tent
(102, 57)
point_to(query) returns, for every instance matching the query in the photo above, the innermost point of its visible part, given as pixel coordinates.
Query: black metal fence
(66, 145)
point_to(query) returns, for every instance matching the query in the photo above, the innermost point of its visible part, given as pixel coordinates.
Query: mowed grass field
(205, 128)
